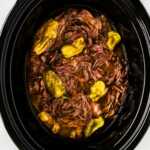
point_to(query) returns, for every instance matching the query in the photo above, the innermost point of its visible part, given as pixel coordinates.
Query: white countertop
(5, 141)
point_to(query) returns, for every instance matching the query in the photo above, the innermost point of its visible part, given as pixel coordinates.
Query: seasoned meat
(75, 76)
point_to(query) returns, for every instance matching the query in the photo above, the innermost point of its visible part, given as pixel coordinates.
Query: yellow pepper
(113, 39)
(93, 125)
(46, 36)
(74, 49)
(46, 117)
(75, 133)
(56, 128)
(79, 43)
(98, 90)
(54, 84)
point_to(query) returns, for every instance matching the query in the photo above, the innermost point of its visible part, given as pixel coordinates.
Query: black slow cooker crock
(131, 21)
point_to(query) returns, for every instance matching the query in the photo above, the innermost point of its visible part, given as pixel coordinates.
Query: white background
(5, 141)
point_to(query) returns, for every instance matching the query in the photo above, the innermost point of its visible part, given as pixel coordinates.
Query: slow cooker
(132, 22)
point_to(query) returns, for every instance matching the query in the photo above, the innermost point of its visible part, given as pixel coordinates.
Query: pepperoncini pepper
(56, 128)
(54, 84)
(113, 39)
(93, 125)
(75, 133)
(48, 120)
(46, 36)
(73, 49)
(46, 117)
(98, 90)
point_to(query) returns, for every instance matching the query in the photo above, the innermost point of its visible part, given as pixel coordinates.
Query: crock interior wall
(23, 44)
